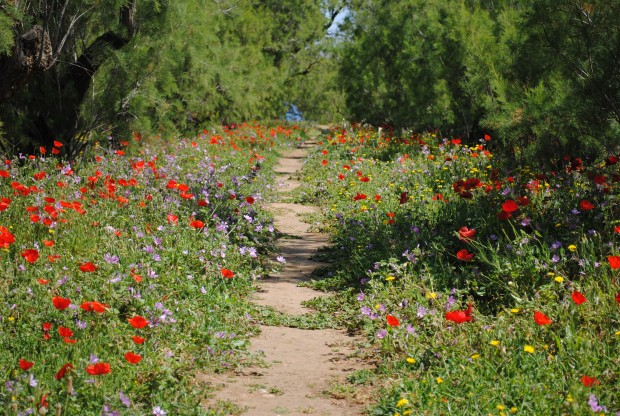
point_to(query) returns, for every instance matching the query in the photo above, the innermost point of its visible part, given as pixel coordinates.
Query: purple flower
(110, 259)
(422, 311)
(158, 411)
(593, 402)
(124, 399)
(381, 333)
(361, 296)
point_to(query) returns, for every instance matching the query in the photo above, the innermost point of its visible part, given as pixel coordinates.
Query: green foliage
(189, 64)
(542, 76)
(6, 33)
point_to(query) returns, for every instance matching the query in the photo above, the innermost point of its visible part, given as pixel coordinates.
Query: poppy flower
(614, 261)
(30, 255)
(392, 320)
(61, 303)
(138, 321)
(6, 238)
(541, 319)
(88, 267)
(464, 255)
(466, 234)
(578, 298)
(249, 199)
(138, 340)
(63, 370)
(404, 197)
(510, 206)
(65, 332)
(133, 358)
(94, 307)
(618, 298)
(359, 196)
(586, 205)
(460, 317)
(503, 215)
(617, 229)
(197, 224)
(227, 273)
(172, 219)
(98, 369)
(25, 365)
(589, 381)
(48, 243)
(43, 281)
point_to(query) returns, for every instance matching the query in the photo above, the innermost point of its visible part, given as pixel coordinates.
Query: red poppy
(94, 307)
(541, 319)
(98, 369)
(57, 143)
(510, 206)
(392, 320)
(617, 229)
(227, 273)
(586, 205)
(618, 298)
(138, 340)
(324, 162)
(61, 303)
(404, 197)
(25, 365)
(69, 340)
(6, 238)
(249, 199)
(464, 255)
(503, 215)
(48, 243)
(523, 201)
(65, 332)
(172, 219)
(359, 196)
(589, 381)
(460, 317)
(30, 255)
(38, 176)
(197, 224)
(466, 234)
(43, 281)
(133, 358)
(614, 261)
(138, 321)
(365, 179)
(88, 267)
(578, 298)
(63, 370)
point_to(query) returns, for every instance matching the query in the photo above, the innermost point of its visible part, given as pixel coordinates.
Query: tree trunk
(32, 54)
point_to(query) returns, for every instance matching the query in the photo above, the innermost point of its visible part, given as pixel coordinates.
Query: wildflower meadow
(484, 286)
(124, 273)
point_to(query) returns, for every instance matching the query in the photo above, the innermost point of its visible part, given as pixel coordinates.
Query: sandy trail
(302, 365)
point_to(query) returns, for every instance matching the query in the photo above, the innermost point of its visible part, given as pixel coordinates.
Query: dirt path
(302, 365)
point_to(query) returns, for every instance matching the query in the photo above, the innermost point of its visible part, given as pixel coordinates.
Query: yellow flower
(431, 295)
(495, 342)
(500, 407)
(515, 310)
(411, 360)
(618, 333)
(559, 279)
(475, 356)
(402, 402)
(529, 348)
(570, 399)
(513, 409)
(11, 318)
(439, 380)
(572, 247)
(389, 278)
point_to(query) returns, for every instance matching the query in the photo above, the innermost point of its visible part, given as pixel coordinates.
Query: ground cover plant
(126, 272)
(487, 287)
